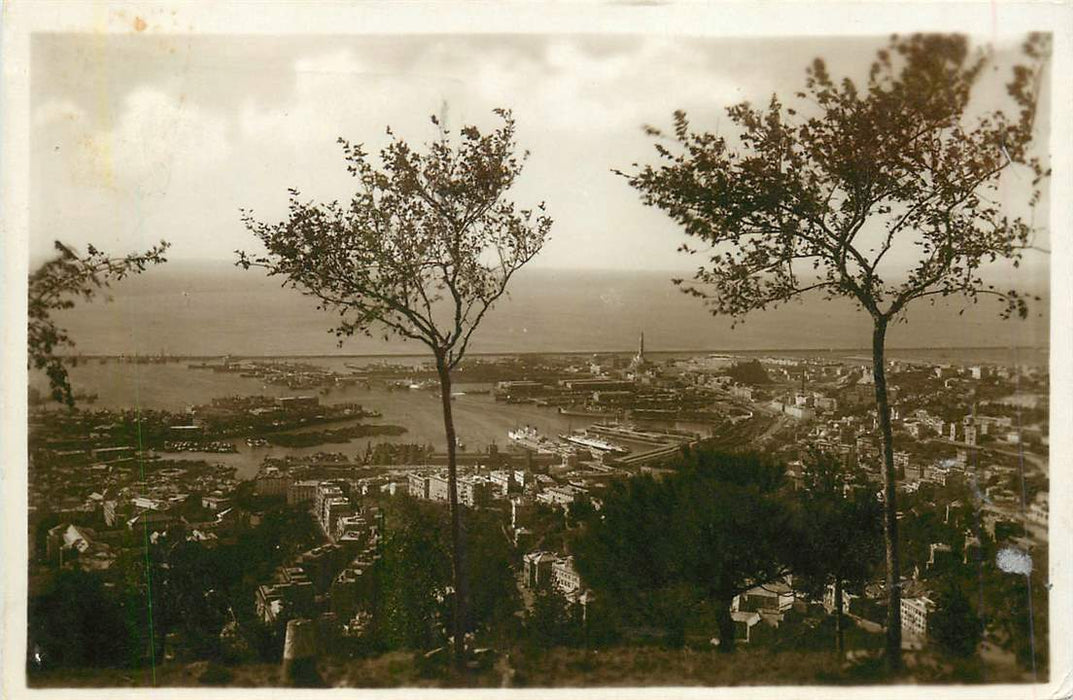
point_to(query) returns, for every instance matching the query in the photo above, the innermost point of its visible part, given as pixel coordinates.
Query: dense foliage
(665, 549)
(751, 372)
(167, 585)
(414, 577)
(837, 534)
(954, 626)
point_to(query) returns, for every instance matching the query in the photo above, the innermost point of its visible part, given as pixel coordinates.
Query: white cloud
(156, 139)
(184, 151)
(333, 63)
(159, 137)
(575, 111)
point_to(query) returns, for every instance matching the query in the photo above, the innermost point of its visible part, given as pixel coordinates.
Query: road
(1038, 461)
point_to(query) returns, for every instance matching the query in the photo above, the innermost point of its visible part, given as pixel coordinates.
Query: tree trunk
(458, 571)
(840, 635)
(890, 507)
(726, 626)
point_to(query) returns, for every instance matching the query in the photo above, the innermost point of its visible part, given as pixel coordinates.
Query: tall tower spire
(638, 361)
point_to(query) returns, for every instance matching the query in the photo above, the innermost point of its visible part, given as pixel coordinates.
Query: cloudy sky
(137, 138)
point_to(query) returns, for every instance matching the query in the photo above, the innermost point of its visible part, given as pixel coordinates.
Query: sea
(215, 310)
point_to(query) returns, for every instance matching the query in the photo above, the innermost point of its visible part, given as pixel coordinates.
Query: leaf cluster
(425, 246)
(56, 286)
(814, 197)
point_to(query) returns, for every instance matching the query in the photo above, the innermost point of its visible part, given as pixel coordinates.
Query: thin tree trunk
(457, 558)
(890, 507)
(840, 635)
(726, 626)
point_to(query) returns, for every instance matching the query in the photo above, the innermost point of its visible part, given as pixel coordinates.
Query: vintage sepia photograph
(580, 346)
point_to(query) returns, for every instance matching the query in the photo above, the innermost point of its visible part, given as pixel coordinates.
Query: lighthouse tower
(639, 361)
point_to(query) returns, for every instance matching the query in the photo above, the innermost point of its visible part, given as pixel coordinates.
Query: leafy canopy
(424, 248)
(954, 625)
(710, 531)
(816, 198)
(56, 286)
(837, 529)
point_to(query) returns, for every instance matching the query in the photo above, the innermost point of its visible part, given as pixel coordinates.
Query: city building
(1039, 511)
(829, 599)
(437, 488)
(417, 486)
(290, 595)
(970, 435)
(537, 568)
(301, 492)
(271, 482)
(777, 597)
(212, 502)
(565, 577)
(799, 412)
(560, 495)
(744, 622)
(825, 403)
(742, 392)
(915, 613)
(940, 555)
(335, 508)
(548, 568)
(474, 491)
(502, 483)
(325, 491)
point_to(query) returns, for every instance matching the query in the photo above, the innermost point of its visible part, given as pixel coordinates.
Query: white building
(565, 577)
(915, 613)
(559, 495)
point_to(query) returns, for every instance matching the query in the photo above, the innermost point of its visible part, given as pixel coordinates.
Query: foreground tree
(954, 626)
(671, 548)
(414, 576)
(881, 193)
(77, 621)
(56, 286)
(837, 535)
(426, 246)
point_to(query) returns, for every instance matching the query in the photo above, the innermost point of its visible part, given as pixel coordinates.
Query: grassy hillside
(560, 667)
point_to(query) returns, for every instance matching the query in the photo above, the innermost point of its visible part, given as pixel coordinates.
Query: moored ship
(528, 438)
(589, 442)
(586, 412)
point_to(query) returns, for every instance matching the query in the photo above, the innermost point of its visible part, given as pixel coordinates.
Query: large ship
(592, 443)
(528, 438)
(585, 413)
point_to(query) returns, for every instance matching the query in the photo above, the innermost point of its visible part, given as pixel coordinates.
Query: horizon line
(530, 353)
